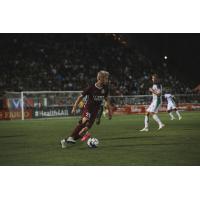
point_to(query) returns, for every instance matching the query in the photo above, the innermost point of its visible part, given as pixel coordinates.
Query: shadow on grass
(133, 137)
(11, 136)
(151, 144)
(141, 145)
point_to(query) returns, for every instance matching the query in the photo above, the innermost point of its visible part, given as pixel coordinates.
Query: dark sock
(75, 133)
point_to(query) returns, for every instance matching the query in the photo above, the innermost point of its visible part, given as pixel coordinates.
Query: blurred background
(56, 62)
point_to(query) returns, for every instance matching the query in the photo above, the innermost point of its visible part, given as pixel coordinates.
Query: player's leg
(169, 110)
(146, 117)
(75, 135)
(85, 128)
(155, 116)
(158, 121)
(79, 132)
(146, 122)
(170, 114)
(178, 113)
(87, 122)
(85, 134)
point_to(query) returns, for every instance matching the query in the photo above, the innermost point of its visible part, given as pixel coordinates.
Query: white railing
(45, 103)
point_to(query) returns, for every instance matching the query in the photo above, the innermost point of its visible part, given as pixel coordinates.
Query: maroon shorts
(90, 114)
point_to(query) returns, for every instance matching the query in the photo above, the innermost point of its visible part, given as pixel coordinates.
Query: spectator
(64, 62)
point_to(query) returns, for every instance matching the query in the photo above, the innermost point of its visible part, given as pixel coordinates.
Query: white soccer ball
(93, 142)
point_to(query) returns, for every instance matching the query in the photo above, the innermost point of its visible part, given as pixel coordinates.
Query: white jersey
(157, 99)
(157, 88)
(169, 98)
(170, 102)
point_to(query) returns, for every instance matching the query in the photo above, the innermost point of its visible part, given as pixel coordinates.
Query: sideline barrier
(139, 109)
(48, 104)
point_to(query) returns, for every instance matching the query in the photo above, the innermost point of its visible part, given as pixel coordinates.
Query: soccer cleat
(173, 118)
(161, 126)
(71, 140)
(144, 129)
(180, 118)
(63, 143)
(85, 137)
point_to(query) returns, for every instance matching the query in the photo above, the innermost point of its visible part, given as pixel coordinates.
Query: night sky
(182, 50)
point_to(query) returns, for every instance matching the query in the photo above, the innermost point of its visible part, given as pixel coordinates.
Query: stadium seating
(70, 62)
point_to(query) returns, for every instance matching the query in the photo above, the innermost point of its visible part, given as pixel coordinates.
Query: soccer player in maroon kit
(96, 94)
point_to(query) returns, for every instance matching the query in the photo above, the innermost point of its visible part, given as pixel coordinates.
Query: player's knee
(86, 123)
(84, 120)
(147, 114)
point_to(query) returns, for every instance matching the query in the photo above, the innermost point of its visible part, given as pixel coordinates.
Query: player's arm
(78, 100)
(156, 92)
(109, 107)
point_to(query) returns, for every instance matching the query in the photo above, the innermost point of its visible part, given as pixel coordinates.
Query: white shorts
(154, 106)
(171, 106)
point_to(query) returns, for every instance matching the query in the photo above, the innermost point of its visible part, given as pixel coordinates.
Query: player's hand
(73, 110)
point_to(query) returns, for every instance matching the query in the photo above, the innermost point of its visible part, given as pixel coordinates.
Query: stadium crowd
(33, 62)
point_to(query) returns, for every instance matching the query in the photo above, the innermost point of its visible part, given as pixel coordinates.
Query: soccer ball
(93, 142)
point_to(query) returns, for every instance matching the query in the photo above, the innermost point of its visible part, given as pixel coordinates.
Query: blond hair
(102, 73)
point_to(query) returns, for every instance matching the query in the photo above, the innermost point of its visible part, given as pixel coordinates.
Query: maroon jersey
(94, 96)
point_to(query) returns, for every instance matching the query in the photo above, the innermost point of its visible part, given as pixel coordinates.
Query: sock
(178, 114)
(156, 118)
(171, 115)
(75, 133)
(83, 131)
(146, 121)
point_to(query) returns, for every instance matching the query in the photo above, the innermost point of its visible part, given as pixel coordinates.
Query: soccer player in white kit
(156, 91)
(171, 106)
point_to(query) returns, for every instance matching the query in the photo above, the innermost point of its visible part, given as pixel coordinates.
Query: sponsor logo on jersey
(98, 98)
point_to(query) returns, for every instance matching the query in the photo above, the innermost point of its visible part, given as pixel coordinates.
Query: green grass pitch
(37, 142)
